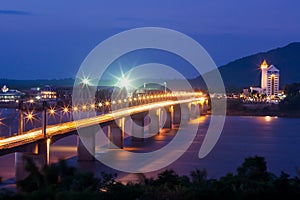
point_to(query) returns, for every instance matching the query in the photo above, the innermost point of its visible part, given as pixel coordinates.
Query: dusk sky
(50, 38)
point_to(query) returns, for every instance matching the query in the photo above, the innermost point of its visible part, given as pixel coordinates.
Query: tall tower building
(272, 81)
(264, 66)
(269, 79)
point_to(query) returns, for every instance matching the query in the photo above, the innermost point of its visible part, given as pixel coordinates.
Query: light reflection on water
(277, 139)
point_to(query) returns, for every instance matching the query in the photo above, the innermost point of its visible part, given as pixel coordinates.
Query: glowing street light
(52, 111)
(124, 82)
(65, 110)
(75, 108)
(30, 116)
(86, 81)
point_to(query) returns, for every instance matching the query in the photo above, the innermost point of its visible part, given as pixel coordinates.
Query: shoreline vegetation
(238, 108)
(251, 180)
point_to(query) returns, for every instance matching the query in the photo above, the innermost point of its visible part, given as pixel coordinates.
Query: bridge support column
(167, 115)
(176, 118)
(38, 153)
(115, 133)
(138, 131)
(86, 144)
(203, 108)
(23, 159)
(154, 122)
(185, 113)
(194, 110)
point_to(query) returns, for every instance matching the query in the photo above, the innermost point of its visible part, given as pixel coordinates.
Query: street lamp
(44, 123)
(86, 81)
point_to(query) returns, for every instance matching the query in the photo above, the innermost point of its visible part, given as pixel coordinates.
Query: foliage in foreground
(251, 181)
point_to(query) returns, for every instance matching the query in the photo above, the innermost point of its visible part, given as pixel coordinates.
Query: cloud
(14, 12)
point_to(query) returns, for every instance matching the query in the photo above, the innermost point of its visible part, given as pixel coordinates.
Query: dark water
(277, 139)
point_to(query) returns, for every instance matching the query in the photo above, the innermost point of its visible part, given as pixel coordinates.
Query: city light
(268, 118)
(65, 109)
(124, 82)
(75, 108)
(86, 81)
(51, 111)
(264, 65)
(29, 116)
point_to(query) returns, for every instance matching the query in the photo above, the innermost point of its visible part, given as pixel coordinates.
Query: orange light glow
(52, 111)
(264, 65)
(268, 118)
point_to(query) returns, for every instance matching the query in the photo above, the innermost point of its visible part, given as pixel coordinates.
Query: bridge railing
(32, 118)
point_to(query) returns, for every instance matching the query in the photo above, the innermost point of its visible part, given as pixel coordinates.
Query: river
(277, 139)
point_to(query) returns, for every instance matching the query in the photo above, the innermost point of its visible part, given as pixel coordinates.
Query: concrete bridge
(137, 121)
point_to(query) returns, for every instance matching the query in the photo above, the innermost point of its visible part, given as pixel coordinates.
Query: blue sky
(50, 38)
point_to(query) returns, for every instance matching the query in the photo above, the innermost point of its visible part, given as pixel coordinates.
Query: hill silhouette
(245, 72)
(238, 74)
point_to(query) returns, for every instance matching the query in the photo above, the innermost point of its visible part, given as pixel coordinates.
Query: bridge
(141, 117)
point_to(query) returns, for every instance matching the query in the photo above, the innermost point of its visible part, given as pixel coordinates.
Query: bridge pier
(115, 133)
(154, 127)
(194, 110)
(86, 144)
(38, 153)
(138, 131)
(167, 116)
(176, 118)
(185, 113)
(203, 107)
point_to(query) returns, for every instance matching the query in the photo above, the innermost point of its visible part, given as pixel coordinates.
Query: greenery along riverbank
(252, 180)
(238, 108)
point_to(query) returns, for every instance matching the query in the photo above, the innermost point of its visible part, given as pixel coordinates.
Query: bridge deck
(63, 128)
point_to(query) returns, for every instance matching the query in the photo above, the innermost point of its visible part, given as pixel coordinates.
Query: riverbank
(262, 113)
(238, 108)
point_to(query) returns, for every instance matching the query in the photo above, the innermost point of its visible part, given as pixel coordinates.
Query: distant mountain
(241, 73)
(26, 84)
(245, 72)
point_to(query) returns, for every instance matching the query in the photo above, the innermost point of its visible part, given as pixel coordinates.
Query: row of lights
(30, 114)
(120, 101)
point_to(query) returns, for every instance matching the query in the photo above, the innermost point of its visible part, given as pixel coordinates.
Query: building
(48, 93)
(7, 95)
(269, 80)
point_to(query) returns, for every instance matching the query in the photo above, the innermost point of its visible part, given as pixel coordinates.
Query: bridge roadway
(64, 128)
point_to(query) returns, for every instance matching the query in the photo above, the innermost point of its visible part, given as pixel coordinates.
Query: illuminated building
(269, 80)
(47, 93)
(264, 66)
(8, 95)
